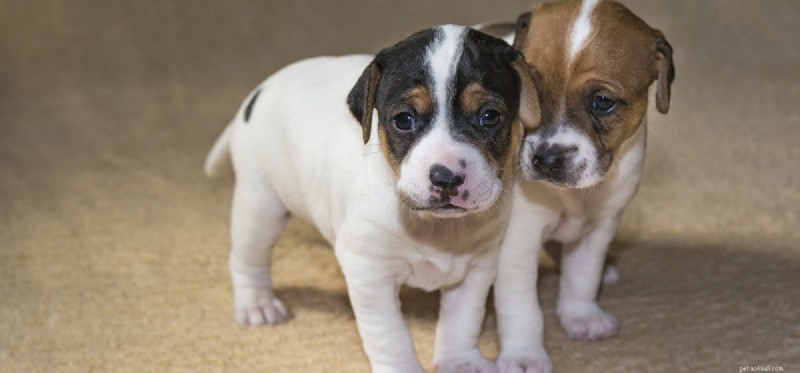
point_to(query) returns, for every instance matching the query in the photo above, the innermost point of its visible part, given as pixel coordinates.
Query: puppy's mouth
(445, 211)
(441, 209)
(564, 168)
(569, 179)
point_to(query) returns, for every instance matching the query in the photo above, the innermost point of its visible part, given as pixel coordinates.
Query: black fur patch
(249, 108)
(402, 68)
(487, 61)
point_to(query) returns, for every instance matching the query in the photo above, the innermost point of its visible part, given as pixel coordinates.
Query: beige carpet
(113, 246)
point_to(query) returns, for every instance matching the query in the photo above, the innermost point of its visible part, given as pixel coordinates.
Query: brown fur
(530, 112)
(420, 99)
(621, 58)
(474, 97)
(386, 153)
(369, 103)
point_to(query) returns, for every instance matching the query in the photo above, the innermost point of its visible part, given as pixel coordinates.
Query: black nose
(444, 178)
(549, 161)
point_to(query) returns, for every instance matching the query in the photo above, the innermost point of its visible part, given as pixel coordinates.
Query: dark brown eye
(404, 121)
(490, 118)
(603, 105)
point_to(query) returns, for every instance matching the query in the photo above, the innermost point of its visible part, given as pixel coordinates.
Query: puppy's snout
(551, 159)
(443, 177)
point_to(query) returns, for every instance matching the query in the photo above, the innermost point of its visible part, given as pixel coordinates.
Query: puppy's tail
(219, 158)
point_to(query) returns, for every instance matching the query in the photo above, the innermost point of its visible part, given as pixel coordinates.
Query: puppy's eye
(404, 121)
(490, 118)
(602, 105)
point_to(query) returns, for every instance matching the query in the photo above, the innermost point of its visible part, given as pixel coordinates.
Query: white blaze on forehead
(442, 59)
(581, 28)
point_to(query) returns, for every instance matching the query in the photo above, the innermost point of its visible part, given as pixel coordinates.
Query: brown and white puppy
(593, 62)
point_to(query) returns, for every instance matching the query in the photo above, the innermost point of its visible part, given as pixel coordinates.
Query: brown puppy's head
(449, 117)
(593, 62)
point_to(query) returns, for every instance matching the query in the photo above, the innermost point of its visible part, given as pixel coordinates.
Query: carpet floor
(113, 245)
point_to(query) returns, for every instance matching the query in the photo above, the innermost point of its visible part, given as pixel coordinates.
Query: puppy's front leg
(581, 272)
(519, 316)
(460, 318)
(373, 288)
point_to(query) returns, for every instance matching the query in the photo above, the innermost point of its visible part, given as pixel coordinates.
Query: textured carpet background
(113, 246)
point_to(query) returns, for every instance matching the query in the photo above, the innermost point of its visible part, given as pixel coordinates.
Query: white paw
(537, 362)
(259, 307)
(475, 363)
(591, 325)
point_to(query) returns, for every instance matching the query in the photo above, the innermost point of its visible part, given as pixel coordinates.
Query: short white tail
(219, 158)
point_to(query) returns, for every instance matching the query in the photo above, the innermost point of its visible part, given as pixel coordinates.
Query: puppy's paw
(259, 307)
(537, 362)
(473, 363)
(588, 325)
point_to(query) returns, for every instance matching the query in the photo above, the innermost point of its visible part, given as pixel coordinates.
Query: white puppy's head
(449, 117)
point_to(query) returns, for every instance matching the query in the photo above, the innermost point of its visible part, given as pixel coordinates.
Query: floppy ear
(523, 22)
(361, 99)
(666, 73)
(529, 111)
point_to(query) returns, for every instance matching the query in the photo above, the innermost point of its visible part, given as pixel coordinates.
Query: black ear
(361, 99)
(523, 23)
(666, 73)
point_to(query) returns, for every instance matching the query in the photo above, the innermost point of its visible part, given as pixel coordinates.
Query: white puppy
(424, 203)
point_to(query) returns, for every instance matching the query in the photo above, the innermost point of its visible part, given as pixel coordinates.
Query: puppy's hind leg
(258, 218)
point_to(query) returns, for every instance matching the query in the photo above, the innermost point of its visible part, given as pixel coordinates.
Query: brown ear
(361, 99)
(523, 22)
(666, 74)
(529, 111)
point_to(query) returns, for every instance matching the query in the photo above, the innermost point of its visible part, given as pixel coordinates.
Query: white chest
(432, 273)
(571, 228)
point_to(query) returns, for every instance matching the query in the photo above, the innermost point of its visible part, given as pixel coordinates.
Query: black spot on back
(249, 108)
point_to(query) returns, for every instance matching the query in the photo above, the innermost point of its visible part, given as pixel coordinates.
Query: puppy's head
(594, 62)
(448, 115)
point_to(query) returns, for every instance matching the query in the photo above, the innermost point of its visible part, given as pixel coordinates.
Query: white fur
(509, 38)
(438, 147)
(442, 59)
(585, 156)
(581, 28)
(585, 220)
(301, 153)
